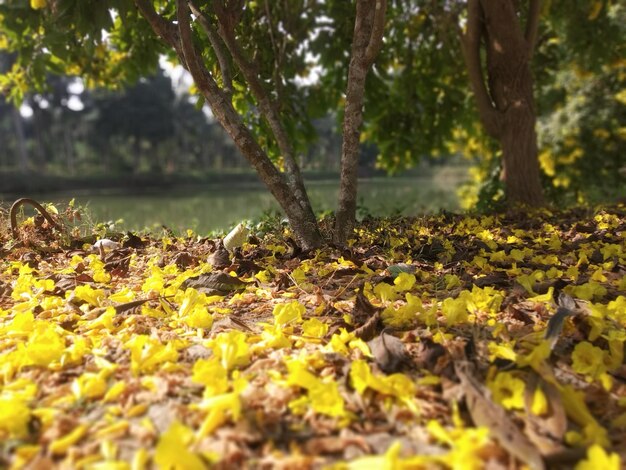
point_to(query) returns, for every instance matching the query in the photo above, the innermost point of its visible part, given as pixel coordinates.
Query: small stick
(25, 200)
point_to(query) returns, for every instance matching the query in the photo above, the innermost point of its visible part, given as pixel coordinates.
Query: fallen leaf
(545, 429)
(485, 412)
(389, 353)
(214, 283)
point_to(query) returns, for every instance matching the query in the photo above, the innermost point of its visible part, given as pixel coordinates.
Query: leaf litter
(438, 342)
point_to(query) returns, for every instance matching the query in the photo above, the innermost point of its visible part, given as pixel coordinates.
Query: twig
(25, 200)
(217, 45)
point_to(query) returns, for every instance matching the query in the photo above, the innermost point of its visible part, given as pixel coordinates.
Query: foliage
(97, 348)
(419, 92)
(417, 101)
(578, 85)
(581, 129)
(130, 50)
(143, 127)
(584, 139)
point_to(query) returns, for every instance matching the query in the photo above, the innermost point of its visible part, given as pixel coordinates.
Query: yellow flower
(231, 349)
(288, 313)
(273, 336)
(396, 385)
(483, 299)
(597, 458)
(385, 292)
(22, 323)
(326, 399)
(405, 315)
(199, 318)
(146, 353)
(212, 375)
(44, 346)
(588, 291)
(38, 4)
(314, 328)
(90, 385)
(578, 411)
(536, 358)
(588, 359)
(388, 461)
(404, 282)
(452, 281)
(464, 445)
(502, 350)
(616, 309)
(88, 294)
(323, 395)
(172, 449)
(343, 342)
(14, 417)
(455, 310)
(61, 445)
(218, 407)
(508, 390)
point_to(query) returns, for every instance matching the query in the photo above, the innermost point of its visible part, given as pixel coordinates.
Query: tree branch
(532, 26)
(278, 54)
(163, 28)
(378, 30)
(470, 45)
(218, 47)
(192, 59)
(300, 215)
(266, 104)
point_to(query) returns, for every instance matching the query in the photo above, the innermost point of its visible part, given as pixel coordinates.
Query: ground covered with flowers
(444, 341)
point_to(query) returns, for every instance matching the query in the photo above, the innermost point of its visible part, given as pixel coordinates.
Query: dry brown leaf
(389, 353)
(334, 444)
(546, 432)
(486, 413)
(370, 328)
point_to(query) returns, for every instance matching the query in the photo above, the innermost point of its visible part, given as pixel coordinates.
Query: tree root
(25, 200)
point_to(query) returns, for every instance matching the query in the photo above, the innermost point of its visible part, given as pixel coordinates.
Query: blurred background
(147, 156)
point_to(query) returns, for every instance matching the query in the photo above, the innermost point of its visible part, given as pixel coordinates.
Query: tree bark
(303, 223)
(506, 103)
(269, 108)
(366, 42)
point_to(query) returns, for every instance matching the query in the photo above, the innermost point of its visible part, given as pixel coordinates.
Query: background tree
(505, 97)
(13, 134)
(142, 116)
(244, 58)
(418, 105)
(582, 77)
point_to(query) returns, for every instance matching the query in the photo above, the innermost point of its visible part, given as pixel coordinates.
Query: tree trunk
(506, 106)
(519, 157)
(179, 37)
(268, 106)
(368, 31)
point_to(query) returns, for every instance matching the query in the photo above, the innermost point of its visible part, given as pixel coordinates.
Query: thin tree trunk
(180, 38)
(269, 107)
(368, 32)
(506, 106)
